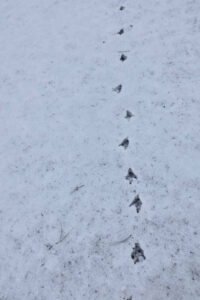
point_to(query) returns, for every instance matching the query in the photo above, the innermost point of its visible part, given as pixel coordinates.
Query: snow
(66, 228)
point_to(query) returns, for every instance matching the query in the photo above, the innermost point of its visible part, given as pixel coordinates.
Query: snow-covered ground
(66, 227)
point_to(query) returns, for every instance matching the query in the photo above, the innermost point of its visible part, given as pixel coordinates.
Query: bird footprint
(137, 254)
(125, 143)
(118, 88)
(128, 114)
(121, 31)
(130, 176)
(137, 202)
(123, 57)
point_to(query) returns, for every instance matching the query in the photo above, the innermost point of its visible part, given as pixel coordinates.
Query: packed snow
(78, 79)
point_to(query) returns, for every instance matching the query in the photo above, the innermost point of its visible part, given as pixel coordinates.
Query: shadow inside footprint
(137, 202)
(118, 88)
(123, 57)
(121, 31)
(137, 254)
(130, 176)
(125, 143)
(128, 114)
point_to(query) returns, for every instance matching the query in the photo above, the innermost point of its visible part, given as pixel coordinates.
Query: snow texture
(66, 228)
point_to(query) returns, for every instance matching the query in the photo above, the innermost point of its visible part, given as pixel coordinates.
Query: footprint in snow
(128, 115)
(123, 57)
(130, 176)
(137, 202)
(118, 88)
(125, 143)
(121, 31)
(137, 254)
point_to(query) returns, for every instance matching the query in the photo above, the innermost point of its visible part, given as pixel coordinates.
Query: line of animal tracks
(137, 252)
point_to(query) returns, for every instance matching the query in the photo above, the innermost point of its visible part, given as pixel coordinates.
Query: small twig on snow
(77, 188)
(122, 241)
(62, 236)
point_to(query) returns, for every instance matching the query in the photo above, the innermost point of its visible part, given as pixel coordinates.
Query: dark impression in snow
(137, 254)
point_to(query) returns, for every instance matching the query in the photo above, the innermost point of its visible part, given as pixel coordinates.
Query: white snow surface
(61, 124)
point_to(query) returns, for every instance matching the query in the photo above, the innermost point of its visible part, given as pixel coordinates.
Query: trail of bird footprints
(137, 252)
